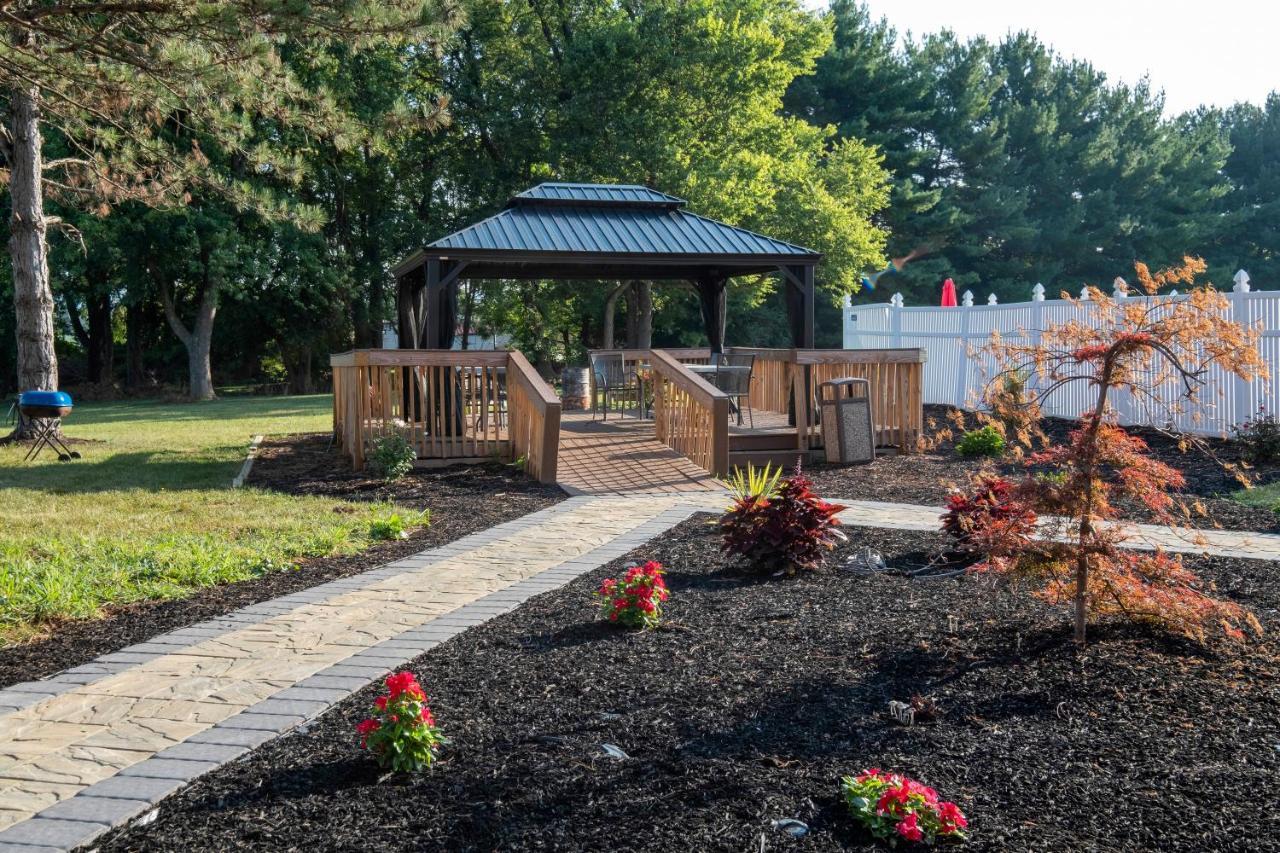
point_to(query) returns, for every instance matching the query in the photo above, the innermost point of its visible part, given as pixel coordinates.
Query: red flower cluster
(892, 804)
(402, 734)
(636, 599)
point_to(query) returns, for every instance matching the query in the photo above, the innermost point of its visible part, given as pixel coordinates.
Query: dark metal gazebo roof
(599, 231)
(622, 230)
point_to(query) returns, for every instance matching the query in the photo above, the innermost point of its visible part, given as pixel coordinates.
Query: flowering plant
(781, 524)
(892, 806)
(402, 733)
(635, 599)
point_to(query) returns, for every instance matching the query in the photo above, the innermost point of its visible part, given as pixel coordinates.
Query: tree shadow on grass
(120, 471)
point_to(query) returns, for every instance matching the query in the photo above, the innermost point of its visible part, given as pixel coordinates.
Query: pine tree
(137, 93)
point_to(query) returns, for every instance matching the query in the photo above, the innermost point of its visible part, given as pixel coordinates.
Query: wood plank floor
(622, 455)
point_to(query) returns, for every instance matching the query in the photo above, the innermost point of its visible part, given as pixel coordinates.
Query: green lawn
(1267, 497)
(149, 512)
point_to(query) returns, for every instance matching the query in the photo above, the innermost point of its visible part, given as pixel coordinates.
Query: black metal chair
(733, 377)
(613, 381)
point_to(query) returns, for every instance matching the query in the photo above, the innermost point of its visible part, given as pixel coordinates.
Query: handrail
(534, 418)
(540, 392)
(642, 354)
(691, 416)
(450, 405)
(701, 390)
(412, 357)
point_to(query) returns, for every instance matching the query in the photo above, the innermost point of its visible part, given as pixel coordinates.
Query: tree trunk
(32, 296)
(610, 308)
(468, 309)
(633, 313)
(135, 326)
(197, 340)
(101, 348)
(643, 291)
(1085, 530)
(297, 363)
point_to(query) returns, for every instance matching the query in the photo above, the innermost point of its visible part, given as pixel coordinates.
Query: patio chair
(733, 377)
(614, 381)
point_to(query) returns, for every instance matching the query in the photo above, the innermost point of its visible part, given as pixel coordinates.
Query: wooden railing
(534, 418)
(895, 375)
(691, 416)
(448, 405)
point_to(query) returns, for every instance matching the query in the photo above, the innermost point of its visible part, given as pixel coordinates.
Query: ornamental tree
(1144, 346)
(149, 101)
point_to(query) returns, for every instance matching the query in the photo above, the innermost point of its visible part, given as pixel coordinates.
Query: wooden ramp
(622, 455)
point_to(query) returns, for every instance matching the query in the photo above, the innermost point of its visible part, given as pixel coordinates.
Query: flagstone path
(99, 744)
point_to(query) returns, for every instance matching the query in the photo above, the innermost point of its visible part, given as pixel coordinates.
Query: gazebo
(598, 231)
(459, 406)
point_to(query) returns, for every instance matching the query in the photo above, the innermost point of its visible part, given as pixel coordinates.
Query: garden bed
(462, 499)
(754, 700)
(928, 477)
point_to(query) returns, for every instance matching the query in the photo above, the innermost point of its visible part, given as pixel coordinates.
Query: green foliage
(1020, 165)
(754, 483)
(148, 512)
(390, 522)
(391, 457)
(986, 441)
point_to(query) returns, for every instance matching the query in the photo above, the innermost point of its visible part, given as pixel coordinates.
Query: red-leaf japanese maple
(1144, 346)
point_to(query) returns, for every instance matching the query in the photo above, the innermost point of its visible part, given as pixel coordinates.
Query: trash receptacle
(847, 431)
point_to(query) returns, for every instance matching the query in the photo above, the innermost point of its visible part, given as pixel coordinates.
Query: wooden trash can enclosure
(575, 389)
(848, 434)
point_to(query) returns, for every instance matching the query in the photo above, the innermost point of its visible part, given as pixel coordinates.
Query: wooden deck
(623, 455)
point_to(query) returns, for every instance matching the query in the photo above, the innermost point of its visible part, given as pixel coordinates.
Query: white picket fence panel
(955, 373)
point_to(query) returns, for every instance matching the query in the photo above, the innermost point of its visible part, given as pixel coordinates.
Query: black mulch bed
(463, 499)
(926, 478)
(753, 702)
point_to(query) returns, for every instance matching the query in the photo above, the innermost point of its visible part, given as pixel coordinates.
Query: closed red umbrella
(948, 294)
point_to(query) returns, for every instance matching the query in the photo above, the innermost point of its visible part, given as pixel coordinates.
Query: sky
(1215, 52)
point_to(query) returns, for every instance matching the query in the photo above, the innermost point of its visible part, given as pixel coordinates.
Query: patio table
(710, 371)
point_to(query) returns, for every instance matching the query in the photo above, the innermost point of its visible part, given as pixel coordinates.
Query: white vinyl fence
(955, 375)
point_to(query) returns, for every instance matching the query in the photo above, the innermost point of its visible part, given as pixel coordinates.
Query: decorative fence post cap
(991, 299)
(1119, 288)
(1241, 278)
(1037, 293)
(967, 301)
(896, 300)
(1084, 292)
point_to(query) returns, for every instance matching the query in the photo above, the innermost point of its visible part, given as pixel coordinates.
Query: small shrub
(1079, 558)
(391, 457)
(393, 525)
(1259, 437)
(402, 733)
(892, 806)
(991, 509)
(787, 529)
(986, 441)
(635, 599)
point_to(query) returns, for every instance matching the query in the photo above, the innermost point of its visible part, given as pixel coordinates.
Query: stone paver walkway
(1224, 543)
(96, 745)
